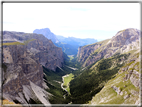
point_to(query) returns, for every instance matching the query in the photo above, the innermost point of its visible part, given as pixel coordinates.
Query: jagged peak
(43, 29)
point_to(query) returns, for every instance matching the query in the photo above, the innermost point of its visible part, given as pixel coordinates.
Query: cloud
(72, 18)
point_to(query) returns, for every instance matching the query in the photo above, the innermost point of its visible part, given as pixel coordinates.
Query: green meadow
(67, 80)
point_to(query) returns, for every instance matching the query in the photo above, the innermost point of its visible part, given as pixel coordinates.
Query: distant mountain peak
(47, 33)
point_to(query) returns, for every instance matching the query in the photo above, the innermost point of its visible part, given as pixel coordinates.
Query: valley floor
(66, 80)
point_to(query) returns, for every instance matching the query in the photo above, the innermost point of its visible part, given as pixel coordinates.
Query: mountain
(24, 55)
(124, 41)
(43, 49)
(47, 33)
(67, 48)
(69, 45)
(35, 71)
(76, 41)
(110, 71)
(124, 88)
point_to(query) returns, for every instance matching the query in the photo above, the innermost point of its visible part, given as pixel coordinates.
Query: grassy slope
(18, 43)
(92, 80)
(13, 43)
(108, 96)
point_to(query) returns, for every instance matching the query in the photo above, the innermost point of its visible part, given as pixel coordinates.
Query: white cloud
(66, 18)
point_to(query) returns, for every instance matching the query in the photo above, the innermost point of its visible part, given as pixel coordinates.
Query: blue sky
(82, 20)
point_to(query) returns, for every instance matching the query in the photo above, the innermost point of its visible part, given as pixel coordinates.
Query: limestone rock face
(43, 49)
(117, 89)
(84, 52)
(124, 41)
(19, 72)
(23, 57)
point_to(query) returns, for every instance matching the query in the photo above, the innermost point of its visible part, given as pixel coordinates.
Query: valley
(105, 72)
(66, 80)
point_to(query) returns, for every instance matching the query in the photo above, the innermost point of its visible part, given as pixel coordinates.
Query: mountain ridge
(109, 47)
(69, 45)
(24, 55)
(107, 72)
(114, 61)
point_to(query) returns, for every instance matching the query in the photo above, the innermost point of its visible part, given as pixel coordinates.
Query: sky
(81, 20)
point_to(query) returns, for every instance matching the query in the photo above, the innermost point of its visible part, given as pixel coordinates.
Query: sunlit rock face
(43, 49)
(23, 56)
(124, 41)
(19, 68)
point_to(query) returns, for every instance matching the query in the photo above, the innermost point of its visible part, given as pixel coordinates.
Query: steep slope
(23, 57)
(92, 79)
(109, 68)
(69, 45)
(47, 33)
(123, 41)
(21, 72)
(124, 88)
(43, 49)
(67, 48)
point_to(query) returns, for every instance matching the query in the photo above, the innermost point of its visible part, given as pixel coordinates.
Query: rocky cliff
(122, 42)
(21, 73)
(43, 49)
(23, 57)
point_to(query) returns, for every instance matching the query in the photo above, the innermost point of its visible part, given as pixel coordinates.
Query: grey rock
(127, 76)
(43, 49)
(126, 96)
(135, 81)
(117, 89)
(120, 43)
(138, 102)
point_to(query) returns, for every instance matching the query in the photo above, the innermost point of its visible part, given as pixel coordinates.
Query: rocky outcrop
(132, 72)
(126, 84)
(84, 52)
(133, 75)
(43, 49)
(135, 80)
(20, 69)
(117, 89)
(23, 57)
(122, 42)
